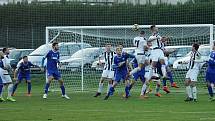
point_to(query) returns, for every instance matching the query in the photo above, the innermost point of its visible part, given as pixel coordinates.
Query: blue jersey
(52, 60)
(211, 63)
(24, 68)
(121, 71)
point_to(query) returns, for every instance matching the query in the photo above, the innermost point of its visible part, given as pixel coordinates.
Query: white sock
(212, 86)
(100, 87)
(10, 90)
(188, 91)
(135, 70)
(144, 88)
(109, 86)
(1, 95)
(194, 92)
(163, 69)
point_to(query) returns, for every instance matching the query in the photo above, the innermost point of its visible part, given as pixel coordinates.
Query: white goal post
(86, 78)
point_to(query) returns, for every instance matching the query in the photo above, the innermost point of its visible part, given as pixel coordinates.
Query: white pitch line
(117, 111)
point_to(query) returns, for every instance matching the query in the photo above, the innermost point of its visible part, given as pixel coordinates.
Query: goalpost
(86, 75)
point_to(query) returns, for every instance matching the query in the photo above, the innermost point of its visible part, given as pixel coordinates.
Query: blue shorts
(24, 76)
(210, 77)
(56, 74)
(139, 75)
(120, 76)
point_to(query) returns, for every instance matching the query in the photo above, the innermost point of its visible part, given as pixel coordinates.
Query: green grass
(84, 107)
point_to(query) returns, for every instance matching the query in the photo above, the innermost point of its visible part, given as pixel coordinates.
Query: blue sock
(15, 87)
(130, 87)
(164, 82)
(29, 87)
(1, 86)
(169, 74)
(47, 87)
(210, 91)
(127, 91)
(62, 89)
(111, 91)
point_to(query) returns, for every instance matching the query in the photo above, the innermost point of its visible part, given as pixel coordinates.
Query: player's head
(1, 55)
(55, 46)
(25, 59)
(120, 46)
(108, 47)
(195, 47)
(142, 33)
(153, 29)
(118, 50)
(5, 50)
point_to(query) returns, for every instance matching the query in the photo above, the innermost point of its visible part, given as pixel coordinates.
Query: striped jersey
(156, 43)
(195, 56)
(139, 42)
(108, 57)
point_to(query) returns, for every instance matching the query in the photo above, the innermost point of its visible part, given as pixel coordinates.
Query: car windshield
(41, 51)
(204, 51)
(14, 54)
(179, 51)
(86, 53)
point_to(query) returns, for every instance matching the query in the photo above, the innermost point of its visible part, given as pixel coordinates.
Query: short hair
(24, 57)
(55, 43)
(4, 49)
(142, 32)
(108, 44)
(196, 46)
(152, 26)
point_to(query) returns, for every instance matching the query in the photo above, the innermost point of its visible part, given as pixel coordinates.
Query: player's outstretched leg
(46, 89)
(111, 90)
(10, 90)
(158, 89)
(188, 91)
(14, 88)
(101, 83)
(29, 88)
(63, 90)
(170, 76)
(210, 92)
(1, 89)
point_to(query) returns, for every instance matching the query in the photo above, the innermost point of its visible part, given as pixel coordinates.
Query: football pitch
(84, 107)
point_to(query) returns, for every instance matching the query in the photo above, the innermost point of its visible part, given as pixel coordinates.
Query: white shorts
(140, 57)
(147, 76)
(5, 76)
(192, 74)
(157, 54)
(108, 74)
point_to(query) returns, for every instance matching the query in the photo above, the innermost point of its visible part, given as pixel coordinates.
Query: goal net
(81, 71)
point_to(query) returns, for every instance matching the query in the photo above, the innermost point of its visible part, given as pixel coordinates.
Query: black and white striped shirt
(195, 56)
(108, 56)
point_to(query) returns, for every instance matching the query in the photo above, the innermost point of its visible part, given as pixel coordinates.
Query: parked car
(89, 55)
(177, 52)
(66, 49)
(181, 64)
(16, 55)
(97, 66)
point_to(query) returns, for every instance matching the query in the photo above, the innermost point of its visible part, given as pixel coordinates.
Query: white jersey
(156, 43)
(108, 56)
(6, 63)
(195, 59)
(139, 43)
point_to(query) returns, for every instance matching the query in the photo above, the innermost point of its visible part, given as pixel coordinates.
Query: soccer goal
(81, 72)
